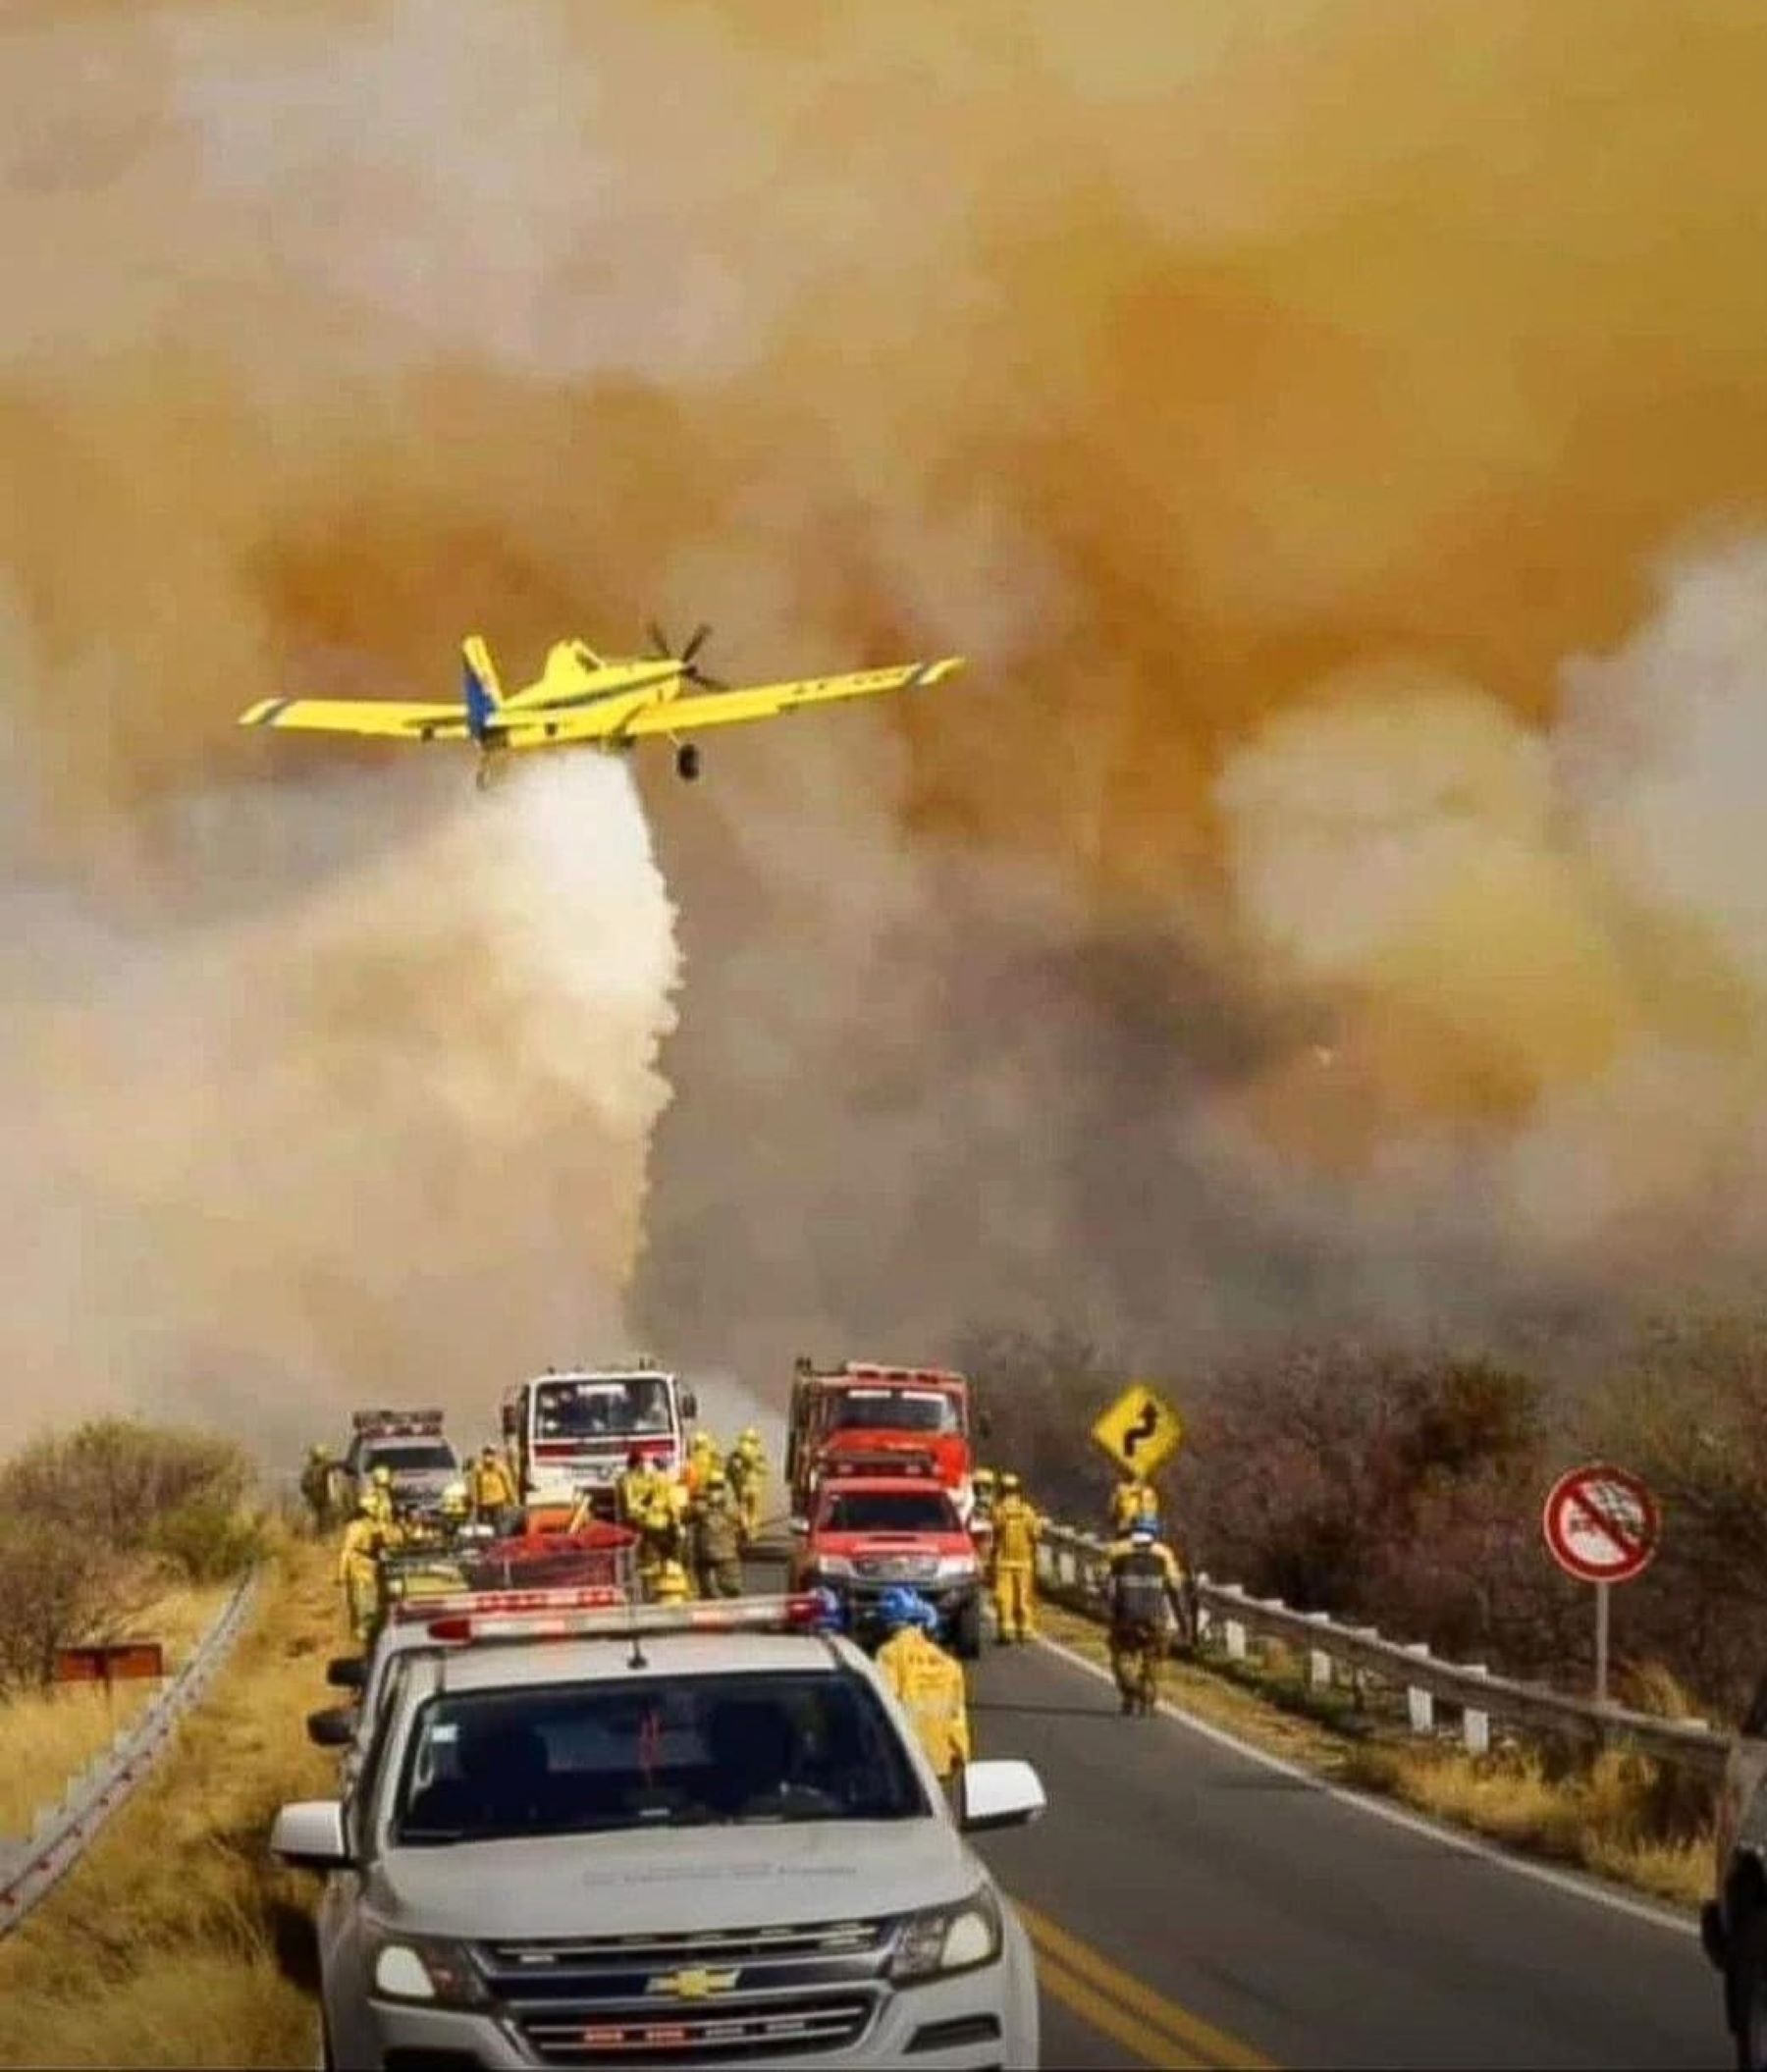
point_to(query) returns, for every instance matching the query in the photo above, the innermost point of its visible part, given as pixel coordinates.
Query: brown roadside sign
(110, 1663)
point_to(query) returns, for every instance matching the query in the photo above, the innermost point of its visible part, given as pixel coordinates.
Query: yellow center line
(1132, 2001)
(1152, 2046)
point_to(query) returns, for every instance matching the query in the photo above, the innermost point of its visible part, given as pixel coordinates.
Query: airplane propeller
(696, 640)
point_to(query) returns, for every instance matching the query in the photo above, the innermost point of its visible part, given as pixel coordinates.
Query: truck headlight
(835, 1567)
(948, 1938)
(424, 1968)
(957, 1567)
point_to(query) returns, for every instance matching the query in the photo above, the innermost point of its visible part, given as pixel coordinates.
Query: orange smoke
(1257, 397)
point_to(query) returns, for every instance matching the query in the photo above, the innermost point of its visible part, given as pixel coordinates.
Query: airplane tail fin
(483, 692)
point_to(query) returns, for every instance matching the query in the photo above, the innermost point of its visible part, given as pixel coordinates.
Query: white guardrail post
(1419, 1702)
(1071, 1561)
(32, 1869)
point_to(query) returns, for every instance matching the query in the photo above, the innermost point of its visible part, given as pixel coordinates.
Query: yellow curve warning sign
(1140, 1429)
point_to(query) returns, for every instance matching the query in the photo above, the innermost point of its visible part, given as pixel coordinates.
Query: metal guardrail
(32, 1869)
(1072, 1567)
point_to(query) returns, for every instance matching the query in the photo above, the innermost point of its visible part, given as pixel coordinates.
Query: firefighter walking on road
(1145, 1600)
(926, 1682)
(747, 1472)
(1017, 1529)
(715, 1539)
(1133, 1502)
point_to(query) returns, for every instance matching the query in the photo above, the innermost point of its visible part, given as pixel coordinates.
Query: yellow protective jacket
(363, 1539)
(716, 1531)
(633, 1491)
(489, 1486)
(1016, 1531)
(930, 1686)
(1130, 1501)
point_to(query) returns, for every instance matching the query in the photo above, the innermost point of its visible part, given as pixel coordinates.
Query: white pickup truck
(699, 1834)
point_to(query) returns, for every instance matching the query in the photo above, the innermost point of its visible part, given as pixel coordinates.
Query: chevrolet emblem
(693, 1985)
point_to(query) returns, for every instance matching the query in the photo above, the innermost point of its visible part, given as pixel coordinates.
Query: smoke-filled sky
(1336, 433)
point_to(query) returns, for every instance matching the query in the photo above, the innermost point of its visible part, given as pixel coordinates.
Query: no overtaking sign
(1601, 1524)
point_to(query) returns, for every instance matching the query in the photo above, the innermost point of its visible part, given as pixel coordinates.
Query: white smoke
(341, 1134)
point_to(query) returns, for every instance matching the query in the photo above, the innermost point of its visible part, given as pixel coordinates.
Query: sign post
(1140, 1429)
(1602, 1526)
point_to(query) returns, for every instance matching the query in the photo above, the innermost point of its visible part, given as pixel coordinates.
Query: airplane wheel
(688, 762)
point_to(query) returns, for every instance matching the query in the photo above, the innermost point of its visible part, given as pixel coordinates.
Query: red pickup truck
(867, 1532)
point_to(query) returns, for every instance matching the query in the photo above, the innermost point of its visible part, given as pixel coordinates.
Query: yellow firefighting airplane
(584, 699)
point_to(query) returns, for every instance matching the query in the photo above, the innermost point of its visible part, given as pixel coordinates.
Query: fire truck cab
(568, 1431)
(864, 1409)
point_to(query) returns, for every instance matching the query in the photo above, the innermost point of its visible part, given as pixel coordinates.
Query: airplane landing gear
(688, 762)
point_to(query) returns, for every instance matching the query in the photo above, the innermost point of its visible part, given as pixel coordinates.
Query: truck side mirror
(689, 1405)
(984, 1424)
(334, 1727)
(799, 1529)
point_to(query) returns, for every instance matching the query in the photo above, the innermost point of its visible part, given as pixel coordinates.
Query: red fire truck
(862, 1410)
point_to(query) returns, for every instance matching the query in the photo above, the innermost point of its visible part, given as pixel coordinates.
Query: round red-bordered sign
(1601, 1524)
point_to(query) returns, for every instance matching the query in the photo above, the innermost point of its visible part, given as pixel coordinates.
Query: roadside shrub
(1687, 1411)
(116, 1477)
(208, 1540)
(55, 1589)
(86, 1514)
(1313, 1475)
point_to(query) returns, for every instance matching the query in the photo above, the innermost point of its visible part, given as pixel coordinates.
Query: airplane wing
(770, 700)
(382, 716)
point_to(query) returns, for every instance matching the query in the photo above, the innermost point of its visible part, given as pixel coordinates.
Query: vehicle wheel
(966, 1631)
(1745, 1990)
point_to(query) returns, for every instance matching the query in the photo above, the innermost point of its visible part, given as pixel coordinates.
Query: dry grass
(47, 1736)
(1598, 1817)
(1621, 1817)
(177, 1941)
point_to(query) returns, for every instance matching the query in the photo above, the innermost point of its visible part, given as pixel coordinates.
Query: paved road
(1252, 1918)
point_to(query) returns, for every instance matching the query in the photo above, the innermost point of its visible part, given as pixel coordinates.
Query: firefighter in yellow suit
(1131, 1501)
(358, 1566)
(926, 1682)
(1017, 1528)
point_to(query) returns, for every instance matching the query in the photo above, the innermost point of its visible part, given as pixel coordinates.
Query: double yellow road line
(1118, 2005)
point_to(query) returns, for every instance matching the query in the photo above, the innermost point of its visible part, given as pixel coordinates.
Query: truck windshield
(620, 1408)
(889, 1511)
(694, 1752)
(410, 1457)
(895, 1411)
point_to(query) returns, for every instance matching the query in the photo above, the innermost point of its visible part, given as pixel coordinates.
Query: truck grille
(739, 2034)
(737, 1997)
(898, 1567)
(721, 1947)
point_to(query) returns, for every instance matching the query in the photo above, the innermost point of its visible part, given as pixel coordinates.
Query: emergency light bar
(418, 1611)
(870, 1370)
(492, 1616)
(398, 1422)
